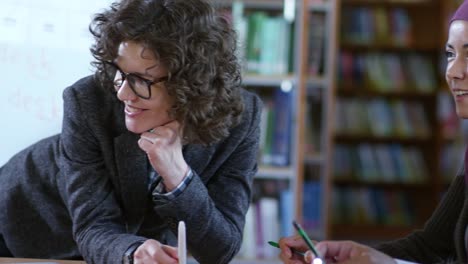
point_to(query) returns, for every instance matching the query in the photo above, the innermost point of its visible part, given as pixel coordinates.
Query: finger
(145, 145)
(291, 258)
(340, 250)
(152, 134)
(352, 250)
(171, 251)
(359, 260)
(285, 254)
(155, 251)
(151, 139)
(173, 130)
(162, 134)
(163, 257)
(309, 256)
(286, 243)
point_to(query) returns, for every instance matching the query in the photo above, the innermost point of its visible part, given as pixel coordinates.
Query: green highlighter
(306, 238)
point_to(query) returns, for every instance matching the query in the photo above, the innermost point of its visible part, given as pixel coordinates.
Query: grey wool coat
(84, 193)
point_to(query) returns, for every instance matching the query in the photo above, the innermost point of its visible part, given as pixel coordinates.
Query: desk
(42, 261)
(52, 261)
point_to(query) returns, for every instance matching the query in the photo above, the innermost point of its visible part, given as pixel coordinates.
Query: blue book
(286, 212)
(282, 127)
(311, 205)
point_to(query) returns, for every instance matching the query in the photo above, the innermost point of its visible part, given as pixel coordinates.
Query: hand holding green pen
(299, 253)
(274, 244)
(306, 239)
(316, 260)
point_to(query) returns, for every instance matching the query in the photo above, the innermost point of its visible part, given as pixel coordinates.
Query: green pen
(306, 238)
(272, 243)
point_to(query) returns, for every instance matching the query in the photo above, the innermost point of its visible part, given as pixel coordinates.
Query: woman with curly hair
(162, 133)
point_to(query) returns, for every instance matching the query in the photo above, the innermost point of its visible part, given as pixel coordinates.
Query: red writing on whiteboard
(44, 108)
(36, 63)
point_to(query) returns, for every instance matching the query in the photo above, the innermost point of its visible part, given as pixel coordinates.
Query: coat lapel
(198, 157)
(132, 169)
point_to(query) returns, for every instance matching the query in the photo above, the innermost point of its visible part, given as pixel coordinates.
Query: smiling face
(457, 65)
(142, 114)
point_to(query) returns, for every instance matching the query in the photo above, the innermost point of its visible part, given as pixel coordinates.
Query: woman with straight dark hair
(444, 238)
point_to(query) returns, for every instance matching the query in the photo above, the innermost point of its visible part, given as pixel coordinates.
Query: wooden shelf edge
(267, 80)
(279, 173)
(388, 2)
(404, 186)
(384, 232)
(369, 138)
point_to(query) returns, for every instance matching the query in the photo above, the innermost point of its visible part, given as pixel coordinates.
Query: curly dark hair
(198, 48)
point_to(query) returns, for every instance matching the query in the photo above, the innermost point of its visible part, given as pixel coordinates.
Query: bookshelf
(319, 81)
(267, 41)
(388, 139)
(287, 52)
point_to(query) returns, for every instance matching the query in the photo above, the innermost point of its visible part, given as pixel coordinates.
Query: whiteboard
(44, 47)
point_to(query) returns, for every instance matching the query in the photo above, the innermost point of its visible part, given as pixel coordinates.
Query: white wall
(44, 47)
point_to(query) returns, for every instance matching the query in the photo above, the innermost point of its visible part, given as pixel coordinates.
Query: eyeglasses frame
(148, 83)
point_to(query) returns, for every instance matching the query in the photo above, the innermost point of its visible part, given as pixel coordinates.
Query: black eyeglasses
(139, 85)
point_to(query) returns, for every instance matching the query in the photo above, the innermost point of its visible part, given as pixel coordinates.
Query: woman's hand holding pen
(343, 252)
(163, 145)
(151, 251)
(350, 252)
(287, 255)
